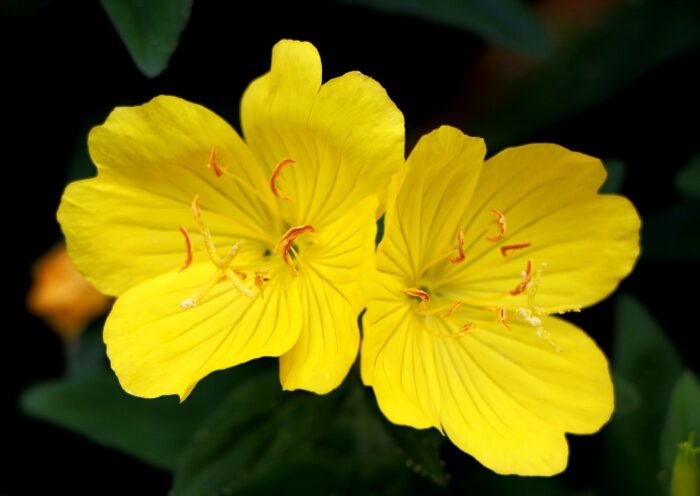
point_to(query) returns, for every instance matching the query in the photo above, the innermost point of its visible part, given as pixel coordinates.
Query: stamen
(465, 329)
(455, 306)
(533, 314)
(261, 277)
(502, 317)
(527, 315)
(460, 248)
(515, 246)
(424, 296)
(214, 164)
(500, 225)
(241, 275)
(285, 244)
(525, 283)
(275, 176)
(188, 247)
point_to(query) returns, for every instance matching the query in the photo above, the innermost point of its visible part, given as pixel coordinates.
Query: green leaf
(371, 450)
(627, 398)
(505, 22)
(682, 419)
(672, 233)
(688, 179)
(155, 430)
(150, 29)
(250, 435)
(638, 38)
(86, 355)
(616, 175)
(644, 356)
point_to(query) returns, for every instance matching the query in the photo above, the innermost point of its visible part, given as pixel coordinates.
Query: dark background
(64, 68)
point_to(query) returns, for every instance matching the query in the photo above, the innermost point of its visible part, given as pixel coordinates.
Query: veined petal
(505, 397)
(331, 300)
(122, 227)
(158, 348)
(346, 137)
(584, 242)
(427, 201)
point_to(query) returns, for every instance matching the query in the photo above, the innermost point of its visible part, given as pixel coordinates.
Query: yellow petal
(427, 201)
(504, 396)
(331, 300)
(346, 137)
(122, 227)
(548, 194)
(158, 348)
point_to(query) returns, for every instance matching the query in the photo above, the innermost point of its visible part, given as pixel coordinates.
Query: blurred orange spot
(61, 296)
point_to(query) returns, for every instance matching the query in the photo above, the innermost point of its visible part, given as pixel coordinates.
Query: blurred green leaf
(672, 233)
(688, 179)
(639, 37)
(371, 450)
(86, 355)
(616, 175)
(256, 432)
(644, 356)
(683, 418)
(150, 29)
(505, 22)
(155, 430)
(421, 449)
(627, 398)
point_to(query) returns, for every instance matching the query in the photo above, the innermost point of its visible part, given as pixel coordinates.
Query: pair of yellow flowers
(221, 251)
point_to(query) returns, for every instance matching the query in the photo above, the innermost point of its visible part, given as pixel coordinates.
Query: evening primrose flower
(221, 251)
(476, 258)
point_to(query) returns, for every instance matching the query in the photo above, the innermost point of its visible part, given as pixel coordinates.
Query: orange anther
(500, 224)
(515, 246)
(455, 306)
(188, 247)
(502, 317)
(460, 248)
(285, 244)
(419, 293)
(214, 164)
(275, 176)
(527, 280)
(240, 274)
(261, 277)
(464, 329)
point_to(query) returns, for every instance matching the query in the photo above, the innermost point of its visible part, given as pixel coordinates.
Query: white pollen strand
(188, 303)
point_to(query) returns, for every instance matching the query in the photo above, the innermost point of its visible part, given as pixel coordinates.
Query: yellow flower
(221, 251)
(475, 258)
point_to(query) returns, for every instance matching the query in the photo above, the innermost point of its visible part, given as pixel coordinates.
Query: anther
(455, 306)
(188, 248)
(503, 317)
(261, 277)
(515, 246)
(287, 240)
(275, 176)
(525, 283)
(422, 295)
(464, 329)
(460, 248)
(214, 164)
(500, 225)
